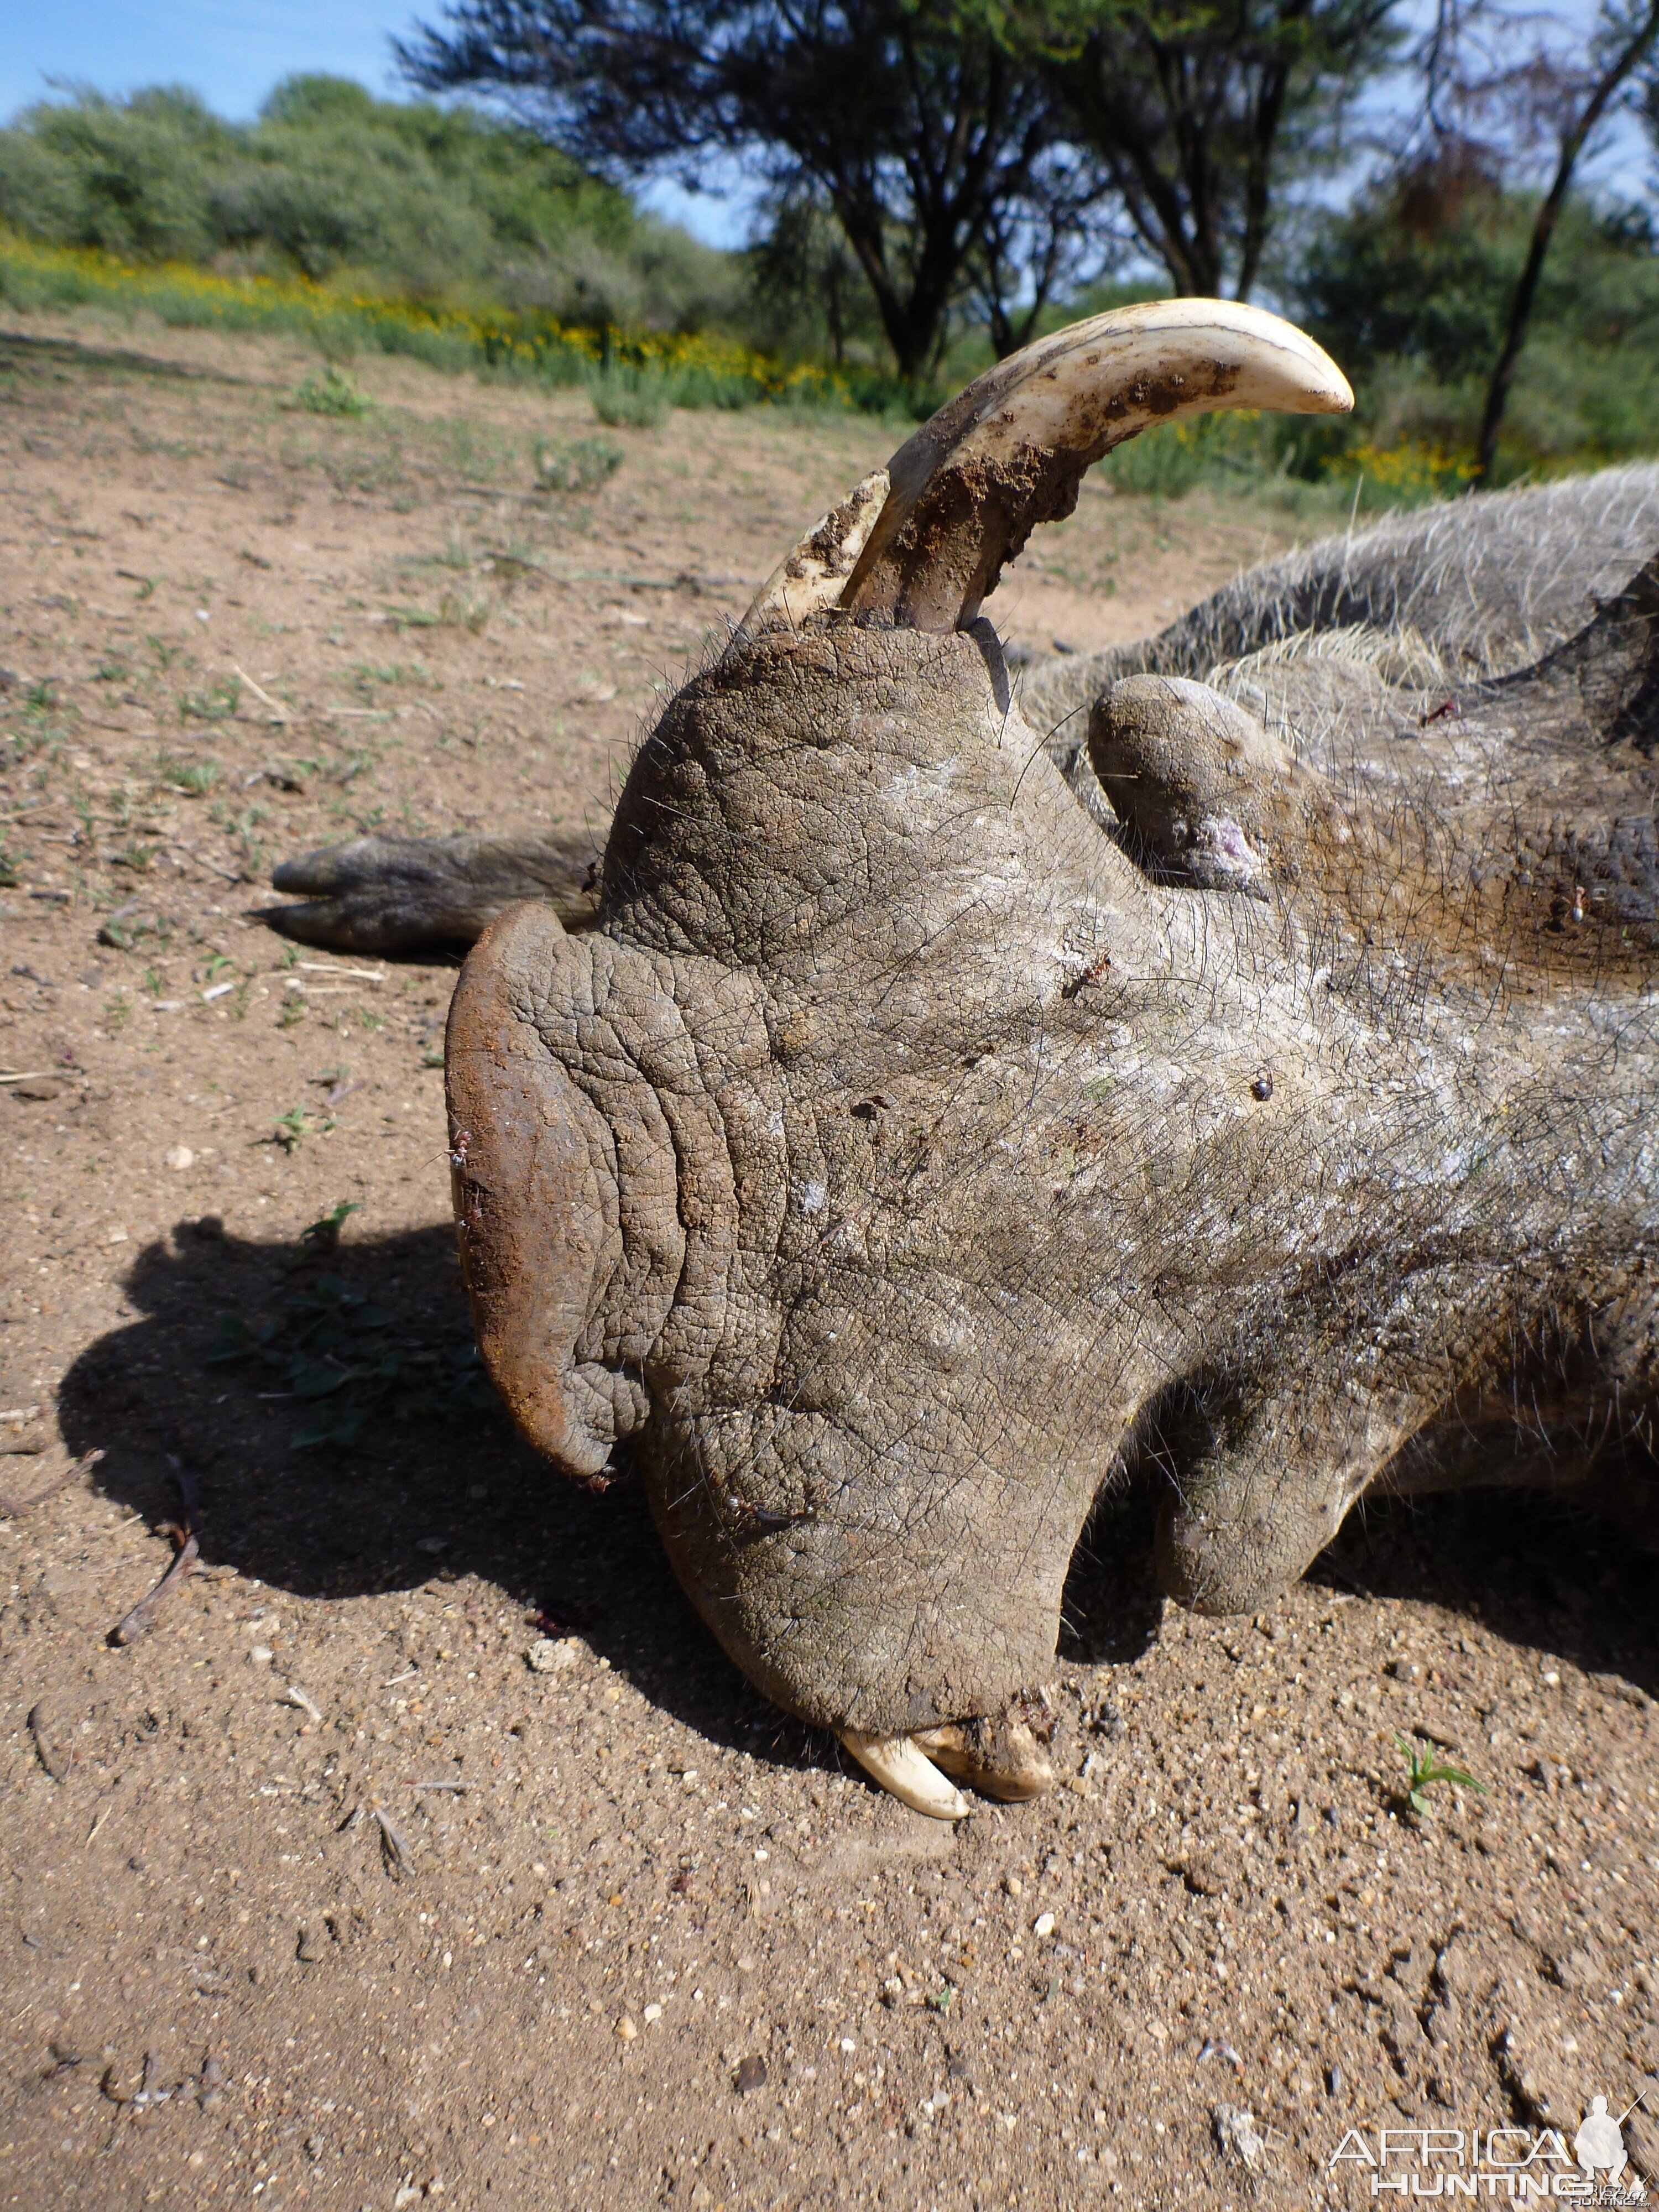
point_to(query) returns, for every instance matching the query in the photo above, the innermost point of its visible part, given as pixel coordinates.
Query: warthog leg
(397, 894)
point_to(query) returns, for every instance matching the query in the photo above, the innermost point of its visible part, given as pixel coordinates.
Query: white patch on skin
(813, 1197)
(912, 784)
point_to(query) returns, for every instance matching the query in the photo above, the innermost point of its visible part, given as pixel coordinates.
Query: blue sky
(231, 51)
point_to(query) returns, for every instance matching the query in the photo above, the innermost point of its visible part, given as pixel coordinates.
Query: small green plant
(216, 703)
(124, 928)
(109, 671)
(631, 398)
(510, 565)
(579, 464)
(322, 1236)
(292, 1129)
(240, 828)
(194, 778)
(454, 553)
(367, 677)
(10, 865)
(216, 967)
(348, 1361)
(1424, 1769)
(139, 858)
(464, 610)
(333, 392)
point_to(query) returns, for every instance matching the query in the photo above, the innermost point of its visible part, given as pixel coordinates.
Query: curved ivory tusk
(812, 575)
(1009, 453)
(907, 1772)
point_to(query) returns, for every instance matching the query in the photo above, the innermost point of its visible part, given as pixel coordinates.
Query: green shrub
(331, 392)
(329, 183)
(631, 398)
(577, 465)
(1410, 288)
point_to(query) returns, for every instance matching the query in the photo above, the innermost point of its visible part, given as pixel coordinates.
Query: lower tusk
(810, 576)
(1001, 1759)
(907, 1772)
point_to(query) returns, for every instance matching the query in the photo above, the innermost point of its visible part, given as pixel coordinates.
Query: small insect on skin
(1091, 974)
(1262, 1088)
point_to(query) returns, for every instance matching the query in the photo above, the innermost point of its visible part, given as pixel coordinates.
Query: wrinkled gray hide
(908, 1144)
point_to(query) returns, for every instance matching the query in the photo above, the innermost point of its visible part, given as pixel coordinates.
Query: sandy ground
(423, 1848)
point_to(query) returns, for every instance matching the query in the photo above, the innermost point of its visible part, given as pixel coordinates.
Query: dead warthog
(1240, 1050)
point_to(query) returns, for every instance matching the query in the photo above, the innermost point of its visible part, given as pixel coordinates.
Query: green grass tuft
(331, 392)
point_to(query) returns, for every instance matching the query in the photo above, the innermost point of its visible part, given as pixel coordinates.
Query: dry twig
(184, 1535)
(13, 1508)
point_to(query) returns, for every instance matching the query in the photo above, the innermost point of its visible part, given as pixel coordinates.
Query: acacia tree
(932, 141)
(1565, 98)
(1199, 112)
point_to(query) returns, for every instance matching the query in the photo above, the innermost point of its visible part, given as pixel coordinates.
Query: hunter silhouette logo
(1599, 2148)
(1519, 2164)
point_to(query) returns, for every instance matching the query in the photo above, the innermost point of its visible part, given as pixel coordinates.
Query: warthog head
(909, 1143)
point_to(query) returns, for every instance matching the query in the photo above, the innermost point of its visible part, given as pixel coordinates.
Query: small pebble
(1014, 1886)
(260, 1655)
(750, 2075)
(653, 2012)
(1043, 1924)
(626, 2029)
(552, 1654)
(179, 1156)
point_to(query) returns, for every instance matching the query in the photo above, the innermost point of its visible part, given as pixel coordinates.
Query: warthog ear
(1206, 795)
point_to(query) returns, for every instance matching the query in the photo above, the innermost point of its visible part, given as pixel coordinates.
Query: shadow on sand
(415, 1497)
(418, 1496)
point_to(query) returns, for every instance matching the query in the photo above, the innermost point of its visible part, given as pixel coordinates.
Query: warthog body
(1239, 1051)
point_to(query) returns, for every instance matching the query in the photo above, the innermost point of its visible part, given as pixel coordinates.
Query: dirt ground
(423, 1848)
